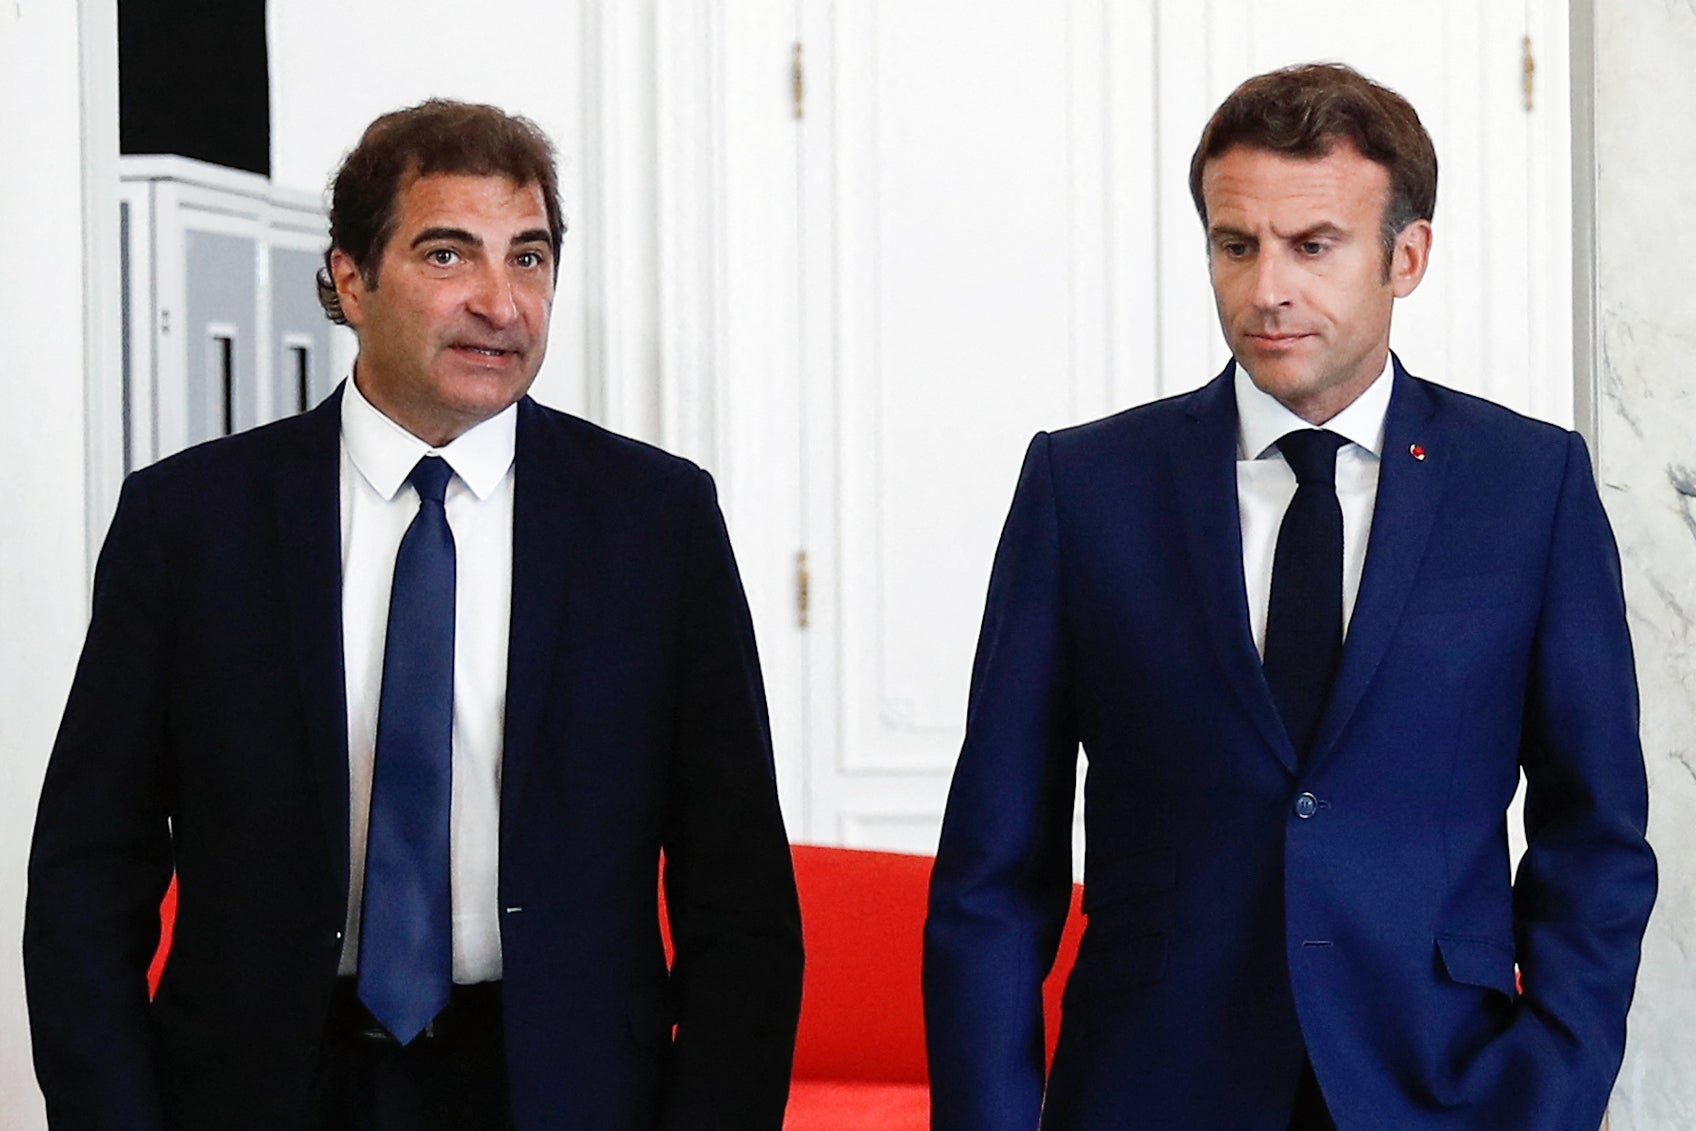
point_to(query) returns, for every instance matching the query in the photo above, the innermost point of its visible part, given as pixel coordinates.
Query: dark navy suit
(1245, 909)
(206, 732)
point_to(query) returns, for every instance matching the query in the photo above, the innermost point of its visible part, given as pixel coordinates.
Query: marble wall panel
(1645, 260)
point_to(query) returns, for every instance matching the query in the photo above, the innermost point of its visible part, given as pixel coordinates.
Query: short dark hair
(437, 136)
(1303, 111)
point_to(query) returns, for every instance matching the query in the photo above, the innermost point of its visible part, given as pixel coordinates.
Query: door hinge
(797, 83)
(1528, 73)
(803, 589)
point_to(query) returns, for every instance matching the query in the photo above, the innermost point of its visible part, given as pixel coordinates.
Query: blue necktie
(1304, 618)
(406, 925)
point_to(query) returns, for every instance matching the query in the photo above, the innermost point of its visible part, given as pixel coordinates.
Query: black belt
(473, 1012)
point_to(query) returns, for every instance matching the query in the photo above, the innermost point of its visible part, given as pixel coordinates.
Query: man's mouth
(494, 353)
(1276, 341)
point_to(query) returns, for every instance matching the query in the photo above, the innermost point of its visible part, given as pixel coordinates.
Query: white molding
(825, 667)
(1185, 95)
(890, 830)
(621, 326)
(818, 363)
(139, 321)
(1552, 248)
(102, 286)
(1586, 335)
(1130, 57)
(690, 226)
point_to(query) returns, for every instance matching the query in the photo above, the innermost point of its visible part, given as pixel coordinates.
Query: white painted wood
(956, 228)
(757, 461)
(97, 36)
(620, 236)
(689, 206)
(51, 336)
(1136, 195)
(997, 236)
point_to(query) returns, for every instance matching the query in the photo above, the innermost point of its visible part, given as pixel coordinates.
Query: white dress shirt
(1265, 484)
(377, 506)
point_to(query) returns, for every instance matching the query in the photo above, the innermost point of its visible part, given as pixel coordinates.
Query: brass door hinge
(797, 83)
(1528, 73)
(803, 589)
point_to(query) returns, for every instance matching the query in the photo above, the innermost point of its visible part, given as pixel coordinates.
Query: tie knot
(1312, 455)
(430, 478)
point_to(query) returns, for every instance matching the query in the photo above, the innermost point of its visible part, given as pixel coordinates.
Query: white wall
(43, 581)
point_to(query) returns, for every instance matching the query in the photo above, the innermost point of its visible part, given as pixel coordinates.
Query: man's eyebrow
(1220, 231)
(452, 235)
(533, 235)
(1325, 229)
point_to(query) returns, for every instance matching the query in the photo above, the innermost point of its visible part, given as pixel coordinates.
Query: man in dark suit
(1309, 623)
(410, 692)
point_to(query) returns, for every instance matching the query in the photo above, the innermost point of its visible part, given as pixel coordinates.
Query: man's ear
(350, 285)
(1409, 258)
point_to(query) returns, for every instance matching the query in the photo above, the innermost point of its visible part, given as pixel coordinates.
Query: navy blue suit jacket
(1227, 932)
(206, 733)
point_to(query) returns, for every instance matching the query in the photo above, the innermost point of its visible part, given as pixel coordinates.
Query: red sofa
(860, 1053)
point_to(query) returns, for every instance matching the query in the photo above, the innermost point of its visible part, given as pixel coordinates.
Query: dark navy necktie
(1304, 618)
(406, 925)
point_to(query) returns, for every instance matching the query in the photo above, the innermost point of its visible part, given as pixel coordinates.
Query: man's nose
(1271, 281)
(492, 298)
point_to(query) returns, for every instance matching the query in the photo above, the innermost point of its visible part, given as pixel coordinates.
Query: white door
(996, 237)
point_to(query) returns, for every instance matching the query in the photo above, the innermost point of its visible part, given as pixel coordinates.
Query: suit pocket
(1475, 961)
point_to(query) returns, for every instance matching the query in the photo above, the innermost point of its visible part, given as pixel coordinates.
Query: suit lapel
(1204, 469)
(546, 507)
(1409, 491)
(306, 495)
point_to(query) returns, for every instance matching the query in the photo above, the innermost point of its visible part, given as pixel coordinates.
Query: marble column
(1643, 423)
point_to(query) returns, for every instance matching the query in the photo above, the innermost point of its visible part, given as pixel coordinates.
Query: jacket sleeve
(730, 884)
(101, 856)
(1002, 880)
(1587, 881)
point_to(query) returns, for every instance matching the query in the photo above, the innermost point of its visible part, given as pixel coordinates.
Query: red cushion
(862, 917)
(862, 1013)
(835, 1105)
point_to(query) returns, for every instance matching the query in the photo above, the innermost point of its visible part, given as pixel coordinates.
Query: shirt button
(1306, 806)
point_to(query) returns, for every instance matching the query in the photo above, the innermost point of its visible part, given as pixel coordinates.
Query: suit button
(1306, 806)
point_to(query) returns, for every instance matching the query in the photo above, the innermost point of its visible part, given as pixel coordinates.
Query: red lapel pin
(1416, 452)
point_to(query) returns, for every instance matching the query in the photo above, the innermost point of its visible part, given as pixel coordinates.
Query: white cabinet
(222, 328)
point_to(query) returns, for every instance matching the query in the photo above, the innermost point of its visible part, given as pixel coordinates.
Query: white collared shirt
(377, 455)
(1265, 484)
